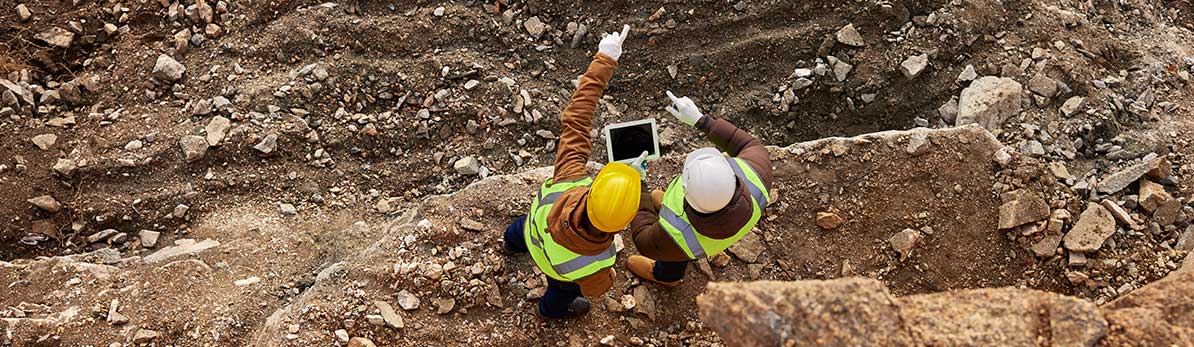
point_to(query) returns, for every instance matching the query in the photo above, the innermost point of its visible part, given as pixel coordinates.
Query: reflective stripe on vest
(553, 259)
(694, 244)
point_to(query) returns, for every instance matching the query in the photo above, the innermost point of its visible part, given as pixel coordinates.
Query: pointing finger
(672, 96)
(625, 31)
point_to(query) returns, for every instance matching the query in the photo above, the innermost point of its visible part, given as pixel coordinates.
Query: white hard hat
(709, 182)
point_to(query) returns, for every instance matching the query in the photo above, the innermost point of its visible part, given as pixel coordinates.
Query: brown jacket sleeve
(738, 143)
(577, 120)
(649, 237)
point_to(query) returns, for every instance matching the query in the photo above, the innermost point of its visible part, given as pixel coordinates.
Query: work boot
(644, 267)
(579, 307)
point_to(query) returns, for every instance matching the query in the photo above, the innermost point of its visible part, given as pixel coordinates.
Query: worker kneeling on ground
(712, 205)
(570, 228)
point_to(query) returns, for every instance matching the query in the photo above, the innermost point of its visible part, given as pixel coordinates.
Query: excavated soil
(369, 103)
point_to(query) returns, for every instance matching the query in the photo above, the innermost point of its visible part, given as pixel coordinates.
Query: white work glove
(611, 44)
(640, 164)
(684, 109)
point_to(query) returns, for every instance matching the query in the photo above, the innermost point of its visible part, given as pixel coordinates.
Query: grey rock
(1043, 85)
(388, 315)
(65, 167)
(101, 235)
(989, 101)
(217, 129)
(193, 147)
(467, 166)
(181, 247)
(841, 70)
(1022, 207)
(535, 27)
(23, 13)
(1094, 226)
(267, 144)
(849, 36)
(904, 242)
(1073, 105)
(1123, 178)
(167, 69)
(914, 65)
(56, 36)
(287, 209)
(949, 111)
(1033, 148)
(1047, 246)
(968, 74)
(644, 302)
(45, 141)
(749, 248)
(46, 203)
(407, 301)
(918, 144)
(149, 238)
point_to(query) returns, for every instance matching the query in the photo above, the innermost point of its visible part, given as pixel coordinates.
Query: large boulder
(989, 101)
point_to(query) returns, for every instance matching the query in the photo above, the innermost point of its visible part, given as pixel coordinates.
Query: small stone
(535, 27)
(56, 36)
(989, 101)
(247, 281)
(101, 235)
(45, 141)
(1033, 148)
(1168, 213)
(217, 129)
(134, 145)
(918, 144)
(914, 65)
(1094, 226)
(167, 69)
(471, 225)
(407, 301)
(1073, 105)
(144, 336)
(849, 36)
(268, 144)
(904, 241)
(829, 220)
(341, 335)
(1077, 259)
(720, 260)
(1043, 85)
(644, 302)
(180, 211)
(65, 167)
(388, 315)
(193, 147)
(1152, 195)
(841, 70)
(1047, 246)
(149, 238)
(287, 209)
(360, 342)
(748, 248)
(46, 203)
(968, 74)
(1023, 207)
(1120, 214)
(467, 166)
(23, 13)
(439, 11)
(444, 305)
(949, 111)
(471, 84)
(1185, 242)
(608, 340)
(1123, 178)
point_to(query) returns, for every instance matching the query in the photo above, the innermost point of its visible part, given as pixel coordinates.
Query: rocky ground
(259, 173)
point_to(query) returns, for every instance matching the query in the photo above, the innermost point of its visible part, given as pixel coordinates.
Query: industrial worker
(714, 203)
(570, 228)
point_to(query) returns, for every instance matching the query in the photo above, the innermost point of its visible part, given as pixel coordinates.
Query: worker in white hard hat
(716, 201)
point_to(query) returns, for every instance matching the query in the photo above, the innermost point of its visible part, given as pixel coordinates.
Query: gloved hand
(640, 164)
(684, 109)
(611, 44)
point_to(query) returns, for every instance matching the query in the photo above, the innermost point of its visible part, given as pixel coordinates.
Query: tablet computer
(626, 141)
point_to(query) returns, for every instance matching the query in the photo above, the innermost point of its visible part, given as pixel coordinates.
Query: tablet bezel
(609, 153)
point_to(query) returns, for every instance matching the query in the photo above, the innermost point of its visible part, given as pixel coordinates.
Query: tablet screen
(630, 142)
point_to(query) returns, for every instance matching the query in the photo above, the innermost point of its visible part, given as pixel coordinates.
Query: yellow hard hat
(614, 197)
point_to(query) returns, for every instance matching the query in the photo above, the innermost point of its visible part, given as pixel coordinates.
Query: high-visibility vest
(552, 258)
(674, 219)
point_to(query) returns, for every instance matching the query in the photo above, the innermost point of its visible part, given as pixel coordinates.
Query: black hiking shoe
(579, 307)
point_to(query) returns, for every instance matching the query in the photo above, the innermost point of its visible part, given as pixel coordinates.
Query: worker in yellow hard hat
(570, 228)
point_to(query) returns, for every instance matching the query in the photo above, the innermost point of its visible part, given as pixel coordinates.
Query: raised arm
(576, 121)
(727, 137)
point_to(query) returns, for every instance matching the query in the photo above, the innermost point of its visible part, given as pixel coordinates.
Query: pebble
(149, 238)
(23, 13)
(45, 141)
(989, 101)
(968, 74)
(471, 84)
(56, 36)
(134, 145)
(439, 11)
(287, 209)
(360, 342)
(1094, 226)
(407, 301)
(1073, 105)
(829, 220)
(535, 27)
(467, 166)
(914, 65)
(444, 305)
(918, 144)
(1033, 148)
(167, 69)
(341, 335)
(841, 70)
(904, 241)
(268, 144)
(193, 147)
(849, 36)
(144, 336)
(388, 315)
(46, 203)
(217, 129)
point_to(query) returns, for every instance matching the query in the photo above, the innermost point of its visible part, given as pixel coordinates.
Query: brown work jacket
(654, 242)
